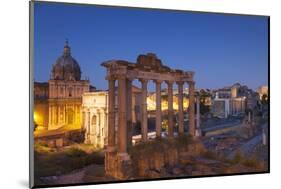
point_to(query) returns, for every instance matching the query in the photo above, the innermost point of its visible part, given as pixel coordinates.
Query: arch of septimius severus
(120, 75)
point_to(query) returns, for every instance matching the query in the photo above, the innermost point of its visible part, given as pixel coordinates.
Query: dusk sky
(220, 49)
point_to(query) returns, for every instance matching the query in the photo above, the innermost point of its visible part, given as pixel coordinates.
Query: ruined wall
(155, 161)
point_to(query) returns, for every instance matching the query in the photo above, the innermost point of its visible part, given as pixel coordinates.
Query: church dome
(66, 67)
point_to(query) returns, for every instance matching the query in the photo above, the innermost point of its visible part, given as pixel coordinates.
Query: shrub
(94, 157)
(209, 154)
(75, 152)
(42, 147)
(238, 157)
(253, 162)
(64, 161)
(183, 140)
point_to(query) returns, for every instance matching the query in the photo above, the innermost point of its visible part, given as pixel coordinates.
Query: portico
(148, 67)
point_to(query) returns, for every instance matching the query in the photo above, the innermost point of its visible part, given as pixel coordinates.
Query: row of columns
(125, 112)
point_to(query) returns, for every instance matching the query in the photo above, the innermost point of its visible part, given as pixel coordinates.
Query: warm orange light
(151, 104)
(35, 117)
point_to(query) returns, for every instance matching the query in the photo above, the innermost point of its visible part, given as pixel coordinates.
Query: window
(70, 91)
(61, 90)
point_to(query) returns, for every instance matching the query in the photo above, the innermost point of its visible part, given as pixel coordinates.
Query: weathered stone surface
(197, 148)
(148, 67)
(123, 168)
(158, 161)
(142, 167)
(188, 169)
(196, 173)
(203, 169)
(185, 158)
(177, 171)
(152, 174)
(206, 161)
(151, 62)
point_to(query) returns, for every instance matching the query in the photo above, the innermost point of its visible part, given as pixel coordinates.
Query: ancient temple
(147, 67)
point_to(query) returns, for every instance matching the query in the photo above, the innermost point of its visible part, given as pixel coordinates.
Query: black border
(31, 39)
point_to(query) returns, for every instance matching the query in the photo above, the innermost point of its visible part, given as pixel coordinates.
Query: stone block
(177, 171)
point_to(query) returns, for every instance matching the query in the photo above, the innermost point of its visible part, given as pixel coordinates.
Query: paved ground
(222, 126)
(249, 146)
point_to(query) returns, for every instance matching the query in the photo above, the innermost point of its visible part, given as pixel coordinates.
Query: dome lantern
(66, 49)
(66, 67)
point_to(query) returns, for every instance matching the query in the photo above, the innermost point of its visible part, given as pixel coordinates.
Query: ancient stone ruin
(118, 163)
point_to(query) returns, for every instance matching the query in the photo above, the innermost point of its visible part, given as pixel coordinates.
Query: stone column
(98, 129)
(53, 117)
(75, 114)
(111, 113)
(144, 110)
(64, 114)
(264, 138)
(89, 124)
(198, 130)
(129, 111)
(58, 112)
(180, 103)
(122, 116)
(158, 108)
(50, 116)
(170, 109)
(105, 127)
(191, 109)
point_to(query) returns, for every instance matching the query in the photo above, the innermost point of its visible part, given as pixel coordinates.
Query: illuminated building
(233, 100)
(262, 90)
(57, 104)
(95, 115)
(151, 102)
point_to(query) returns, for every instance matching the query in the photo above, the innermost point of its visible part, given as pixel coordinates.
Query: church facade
(57, 104)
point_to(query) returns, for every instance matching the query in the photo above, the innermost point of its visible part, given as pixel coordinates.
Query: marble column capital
(130, 79)
(110, 78)
(180, 83)
(143, 81)
(191, 83)
(169, 82)
(157, 81)
(121, 77)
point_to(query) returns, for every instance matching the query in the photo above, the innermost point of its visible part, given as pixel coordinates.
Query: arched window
(70, 91)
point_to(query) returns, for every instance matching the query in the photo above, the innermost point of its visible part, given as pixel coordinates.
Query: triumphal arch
(120, 75)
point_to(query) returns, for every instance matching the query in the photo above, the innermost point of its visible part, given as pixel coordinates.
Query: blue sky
(221, 49)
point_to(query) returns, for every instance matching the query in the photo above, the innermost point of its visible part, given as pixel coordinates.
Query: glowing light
(36, 118)
(151, 104)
